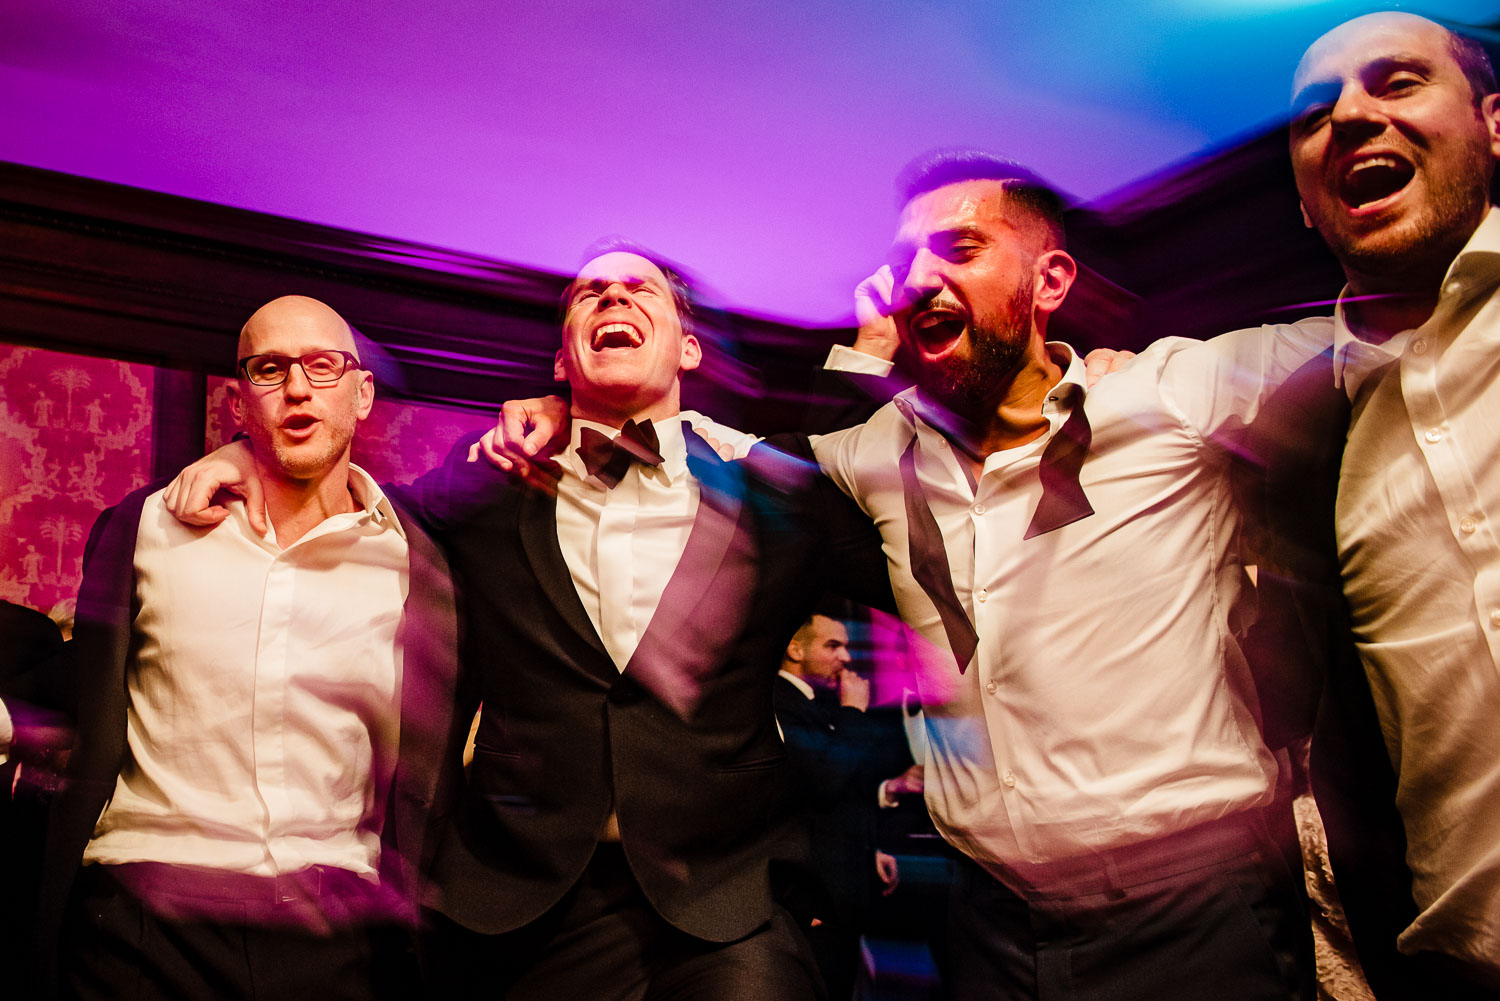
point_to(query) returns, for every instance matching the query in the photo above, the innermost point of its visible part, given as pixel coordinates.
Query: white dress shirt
(1419, 495)
(622, 543)
(264, 693)
(1107, 702)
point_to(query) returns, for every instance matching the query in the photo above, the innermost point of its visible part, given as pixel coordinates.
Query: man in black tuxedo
(839, 758)
(613, 835)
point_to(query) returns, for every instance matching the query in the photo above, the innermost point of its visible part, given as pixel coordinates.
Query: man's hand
(885, 868)
(854, 690)
(1101, 362)
(198, 496)
(528, 432)
(874, 310)
(908, 783)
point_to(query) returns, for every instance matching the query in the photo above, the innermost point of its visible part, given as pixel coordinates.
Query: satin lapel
(706, 601)
(538, 528)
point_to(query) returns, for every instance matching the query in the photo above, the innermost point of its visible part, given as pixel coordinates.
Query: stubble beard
(1416, 247)
(972, 385)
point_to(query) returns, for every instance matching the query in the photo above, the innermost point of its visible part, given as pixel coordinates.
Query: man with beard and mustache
(1070, 555)
(1394, 136)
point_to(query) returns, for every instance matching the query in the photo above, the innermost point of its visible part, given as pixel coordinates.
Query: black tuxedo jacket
(101, 655)
(682, 744)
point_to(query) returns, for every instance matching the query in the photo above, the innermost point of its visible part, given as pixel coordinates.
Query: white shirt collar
(1476, 266)
(1068, 392)
(368, 495)
(801, 685)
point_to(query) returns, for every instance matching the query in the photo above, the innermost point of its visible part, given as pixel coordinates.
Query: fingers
(515, 422)
(190, 498)
(487, 447)
(1104, 361)
(255, 506)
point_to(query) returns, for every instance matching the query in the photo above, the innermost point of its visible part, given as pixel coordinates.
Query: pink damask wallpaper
(75, 437)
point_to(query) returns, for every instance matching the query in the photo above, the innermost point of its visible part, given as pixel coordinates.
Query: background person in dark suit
(839, 759)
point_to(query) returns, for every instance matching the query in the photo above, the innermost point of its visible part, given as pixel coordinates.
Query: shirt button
(1418, 347)
(1467, 526)
(991, 687)
(1495, 620)
(1010, 779)
(979, 509)
(982, 594)
(942, 443)
(1434, 435)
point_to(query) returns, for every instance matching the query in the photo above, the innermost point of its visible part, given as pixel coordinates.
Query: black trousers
(604, 942)
(1232, 929)
(116, 948)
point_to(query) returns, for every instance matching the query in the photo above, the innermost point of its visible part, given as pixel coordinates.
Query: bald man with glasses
(261, 716)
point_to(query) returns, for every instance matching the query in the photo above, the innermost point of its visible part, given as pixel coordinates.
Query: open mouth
(299, 425)
(937, 329)
(616, 335)
(1372, 179)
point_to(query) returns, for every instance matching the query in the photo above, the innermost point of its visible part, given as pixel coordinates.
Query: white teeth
(618, 328)
(1375, 161)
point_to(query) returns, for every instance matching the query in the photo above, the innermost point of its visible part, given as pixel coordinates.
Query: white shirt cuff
(842, 358)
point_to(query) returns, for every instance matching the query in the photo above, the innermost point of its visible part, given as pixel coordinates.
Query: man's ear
(366, 394)
(794, 651)
(692, 354)
(1306, 219)
(559, 370)
(1489, 109)
(1055, 273)
(236, 404)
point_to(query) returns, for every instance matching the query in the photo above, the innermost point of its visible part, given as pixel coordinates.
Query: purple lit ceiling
(754, 142)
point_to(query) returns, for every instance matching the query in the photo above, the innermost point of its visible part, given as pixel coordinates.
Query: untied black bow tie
(1062, 503)
(607, 459)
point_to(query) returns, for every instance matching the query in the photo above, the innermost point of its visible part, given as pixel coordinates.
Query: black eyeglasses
(322, 368)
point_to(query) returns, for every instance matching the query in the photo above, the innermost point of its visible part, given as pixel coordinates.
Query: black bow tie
(607, 459)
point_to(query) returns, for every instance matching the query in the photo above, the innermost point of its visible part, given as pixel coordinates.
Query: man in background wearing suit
(839, 758)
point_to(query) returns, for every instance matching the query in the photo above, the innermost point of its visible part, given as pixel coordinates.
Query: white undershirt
(264, 712)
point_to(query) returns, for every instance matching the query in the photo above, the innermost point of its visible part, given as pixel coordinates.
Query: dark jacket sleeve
(453, 492)
(853, 562)
(839, 400)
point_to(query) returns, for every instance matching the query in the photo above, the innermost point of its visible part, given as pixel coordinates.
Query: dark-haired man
(1068, 553)
(613, 835)
(1394, 136)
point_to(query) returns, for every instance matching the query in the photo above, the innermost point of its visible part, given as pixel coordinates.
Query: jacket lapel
(538, 530)
(706, 601)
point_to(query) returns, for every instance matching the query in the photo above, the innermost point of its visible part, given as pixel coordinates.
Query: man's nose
(616, 294)
(1357, 113)
(297, 386)
(924, 276)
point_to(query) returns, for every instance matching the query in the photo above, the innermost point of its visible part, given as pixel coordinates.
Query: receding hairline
(294, 305)
(1467, 54)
